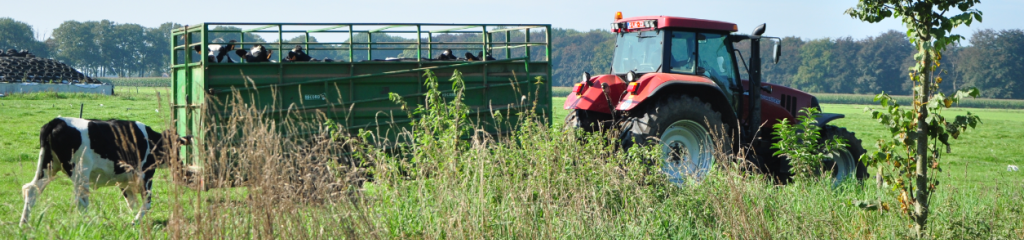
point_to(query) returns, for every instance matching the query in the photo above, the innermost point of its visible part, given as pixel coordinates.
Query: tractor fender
(654, 85)
(824, 118)
(596, 93)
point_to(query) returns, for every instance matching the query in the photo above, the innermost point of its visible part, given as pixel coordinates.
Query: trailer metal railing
(424, 43)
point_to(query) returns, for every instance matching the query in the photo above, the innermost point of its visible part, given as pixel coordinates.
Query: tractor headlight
(630, 76)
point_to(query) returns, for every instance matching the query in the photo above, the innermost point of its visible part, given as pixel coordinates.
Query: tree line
(96, 48)
(991, 61)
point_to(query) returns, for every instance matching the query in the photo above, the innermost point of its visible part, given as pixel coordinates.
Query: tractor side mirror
(777, 51)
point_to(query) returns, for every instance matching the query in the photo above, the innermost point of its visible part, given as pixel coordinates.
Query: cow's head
(165, 144)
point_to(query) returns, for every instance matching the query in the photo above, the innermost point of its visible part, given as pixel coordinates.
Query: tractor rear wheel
(680, 125)
(847, 163)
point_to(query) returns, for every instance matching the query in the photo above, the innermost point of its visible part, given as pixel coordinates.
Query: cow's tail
(45, 148)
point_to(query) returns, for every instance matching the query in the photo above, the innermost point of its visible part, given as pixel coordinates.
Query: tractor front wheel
(846, 163)
(589, 121)
(680, 125)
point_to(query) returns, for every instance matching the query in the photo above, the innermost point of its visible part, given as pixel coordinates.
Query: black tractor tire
(846, 163)
(682, 125)
(589, 121)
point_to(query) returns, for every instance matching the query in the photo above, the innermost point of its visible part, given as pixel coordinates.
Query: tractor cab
(676, 45)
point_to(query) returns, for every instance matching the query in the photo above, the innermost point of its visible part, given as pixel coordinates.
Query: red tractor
(673, 80)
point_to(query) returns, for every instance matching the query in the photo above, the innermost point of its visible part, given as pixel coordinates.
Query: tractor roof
(681, 22)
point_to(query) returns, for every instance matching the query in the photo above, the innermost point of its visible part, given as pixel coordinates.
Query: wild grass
(537, 182)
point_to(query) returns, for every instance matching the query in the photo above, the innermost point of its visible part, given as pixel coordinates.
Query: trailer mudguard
(594, 94)
(652, 85)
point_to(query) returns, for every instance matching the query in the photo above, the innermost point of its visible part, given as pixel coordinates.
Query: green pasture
(978, 197)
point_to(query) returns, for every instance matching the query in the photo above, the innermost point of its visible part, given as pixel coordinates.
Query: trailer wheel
(680, 125)
(589, 121)
(847, 164)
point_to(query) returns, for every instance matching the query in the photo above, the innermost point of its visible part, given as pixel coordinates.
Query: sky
(809, 19)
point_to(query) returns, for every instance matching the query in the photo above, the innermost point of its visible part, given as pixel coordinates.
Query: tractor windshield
(640, 52)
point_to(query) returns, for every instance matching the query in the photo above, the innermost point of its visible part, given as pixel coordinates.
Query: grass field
(544, 184)
(139, 82)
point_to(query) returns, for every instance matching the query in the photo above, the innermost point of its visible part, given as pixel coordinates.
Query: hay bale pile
(18, 67)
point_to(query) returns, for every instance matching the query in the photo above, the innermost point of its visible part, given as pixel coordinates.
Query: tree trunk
(921, 191)
(878, 177)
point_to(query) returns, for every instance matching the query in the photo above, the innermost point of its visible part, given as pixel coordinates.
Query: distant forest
(993, 60)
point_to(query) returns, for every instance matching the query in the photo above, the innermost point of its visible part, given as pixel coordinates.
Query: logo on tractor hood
(766, 97)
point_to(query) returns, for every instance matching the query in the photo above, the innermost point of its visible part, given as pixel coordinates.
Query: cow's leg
(44, 173)
(147, 194)
(80, 181)
(129, 196)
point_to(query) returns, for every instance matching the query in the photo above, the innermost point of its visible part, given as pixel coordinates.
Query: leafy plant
(441, 123)
(908, 151)
(799, 142)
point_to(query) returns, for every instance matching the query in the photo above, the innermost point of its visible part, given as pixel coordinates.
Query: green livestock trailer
(355, 68)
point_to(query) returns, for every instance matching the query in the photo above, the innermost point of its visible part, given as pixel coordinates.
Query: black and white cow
(297, 55)
(447, 55)
(471, 58)
(218, 52)
(257, 53)
(97, 153)
(479, 56)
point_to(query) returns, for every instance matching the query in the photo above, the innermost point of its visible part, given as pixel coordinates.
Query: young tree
(928, 28)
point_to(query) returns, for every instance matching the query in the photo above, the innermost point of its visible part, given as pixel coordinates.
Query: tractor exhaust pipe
(754, 88)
